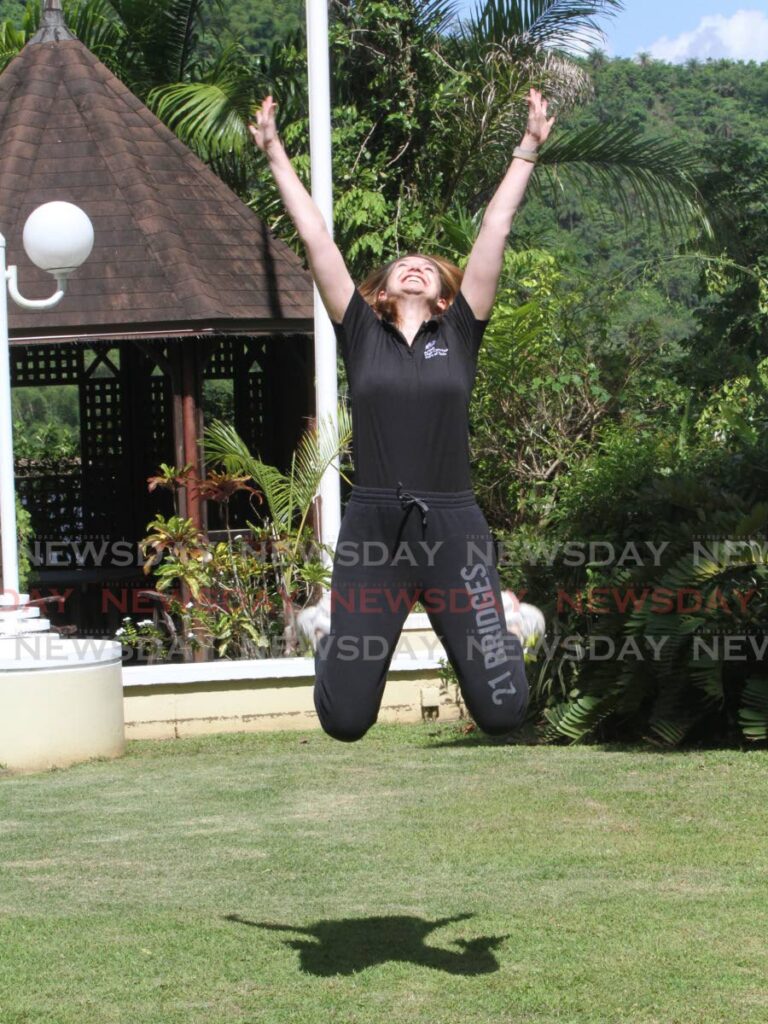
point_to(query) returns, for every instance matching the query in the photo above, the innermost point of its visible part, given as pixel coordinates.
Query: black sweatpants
(396, 547)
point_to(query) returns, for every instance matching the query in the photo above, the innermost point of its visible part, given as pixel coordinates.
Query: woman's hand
(539, 126)
(264, 132)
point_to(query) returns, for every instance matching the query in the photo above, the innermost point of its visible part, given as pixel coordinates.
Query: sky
(677, 30)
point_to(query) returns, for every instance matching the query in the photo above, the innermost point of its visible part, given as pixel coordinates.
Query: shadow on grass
(352, 944)
(466, 735)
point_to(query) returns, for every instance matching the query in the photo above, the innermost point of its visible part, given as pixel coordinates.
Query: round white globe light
(58, 237)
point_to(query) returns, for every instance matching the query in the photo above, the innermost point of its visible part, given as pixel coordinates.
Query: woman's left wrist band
(531, 155)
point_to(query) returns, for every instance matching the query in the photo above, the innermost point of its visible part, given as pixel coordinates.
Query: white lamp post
(326, 386)
(58, 237)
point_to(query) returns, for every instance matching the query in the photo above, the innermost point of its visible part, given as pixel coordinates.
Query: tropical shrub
(238, 597)
(666, 640)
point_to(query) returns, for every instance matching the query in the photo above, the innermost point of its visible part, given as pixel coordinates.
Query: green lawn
(418, 876)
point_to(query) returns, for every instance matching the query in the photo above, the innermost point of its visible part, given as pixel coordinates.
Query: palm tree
(289, 497)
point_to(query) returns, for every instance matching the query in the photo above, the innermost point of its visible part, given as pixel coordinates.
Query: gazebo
(185, 285)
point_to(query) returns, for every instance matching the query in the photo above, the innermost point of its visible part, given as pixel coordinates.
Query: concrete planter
(61, 701)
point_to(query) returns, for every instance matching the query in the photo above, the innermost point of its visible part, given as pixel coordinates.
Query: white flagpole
(326, 383)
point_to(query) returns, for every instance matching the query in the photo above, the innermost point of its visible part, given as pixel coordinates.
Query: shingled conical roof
(176, 251)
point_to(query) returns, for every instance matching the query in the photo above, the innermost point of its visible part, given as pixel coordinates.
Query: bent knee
(341, 722)
(506, 716)
(344, 735)
(344, 729)
(499, 726)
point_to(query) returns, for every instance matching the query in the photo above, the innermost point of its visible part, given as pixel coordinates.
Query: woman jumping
(412, 529)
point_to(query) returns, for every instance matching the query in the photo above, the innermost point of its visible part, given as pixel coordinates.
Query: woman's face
(414, 276)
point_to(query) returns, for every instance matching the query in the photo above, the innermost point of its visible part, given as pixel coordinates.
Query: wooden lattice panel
(39, 365)
(103, 454)
(250, 395)
(220, 361)
(256, 397)
(101, 421)
(159, 440)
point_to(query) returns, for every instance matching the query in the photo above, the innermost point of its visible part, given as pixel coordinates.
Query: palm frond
(211, 115)
(655, 174)
(97, 25)
(671, 732)
(162, 37)
(181, 18)
(12, 41)
(671, 717)
(483, 107)
(315, 453)
(557, 23)
(459, 228)
(578, 719)
(288, 496)
(223, 444)
(438, 15)
(706, 674)
(32, 17)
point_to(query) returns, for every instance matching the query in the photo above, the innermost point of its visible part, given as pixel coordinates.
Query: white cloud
(743, 36)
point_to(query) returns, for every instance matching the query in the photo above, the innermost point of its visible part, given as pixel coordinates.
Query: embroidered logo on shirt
(431, 349)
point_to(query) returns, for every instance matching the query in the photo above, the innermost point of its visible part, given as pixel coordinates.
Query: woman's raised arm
(481, 276)
(326, 263)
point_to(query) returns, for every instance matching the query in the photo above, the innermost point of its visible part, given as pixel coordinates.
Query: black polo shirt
(410, 404)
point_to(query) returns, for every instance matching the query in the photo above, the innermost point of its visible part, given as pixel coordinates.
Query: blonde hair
(449, 274)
